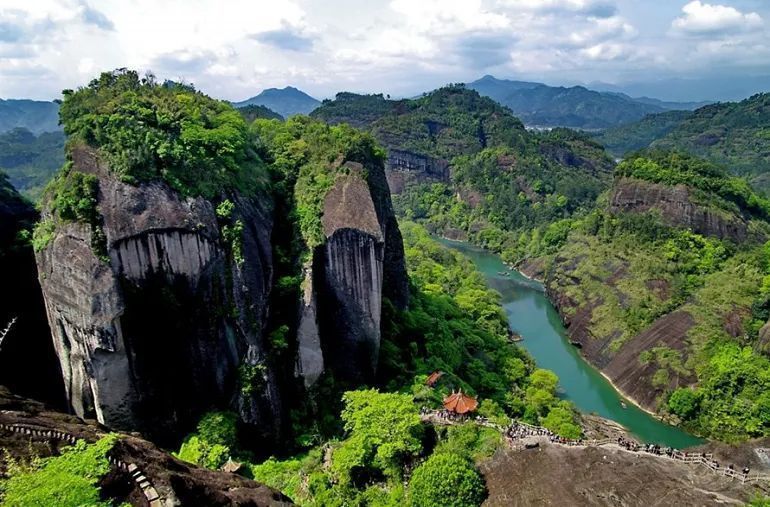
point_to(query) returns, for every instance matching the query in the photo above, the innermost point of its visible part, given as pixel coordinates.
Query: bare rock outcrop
(404, 168)
(677, 208)
(359, 264)
(155, 334)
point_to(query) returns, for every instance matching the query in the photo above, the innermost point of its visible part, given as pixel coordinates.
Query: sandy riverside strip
(625, 396)
(137, 476)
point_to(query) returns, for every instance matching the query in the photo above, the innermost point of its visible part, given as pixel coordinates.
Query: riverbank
(531, 315)
(628, 398)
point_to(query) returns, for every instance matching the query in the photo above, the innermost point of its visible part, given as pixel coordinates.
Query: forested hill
(36, 116)
(662, 279)
(31, 160)
(541, 105)
(453, 153)
(733, 134)
(286, 101)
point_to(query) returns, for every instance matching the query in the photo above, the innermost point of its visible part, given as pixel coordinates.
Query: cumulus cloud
(287, 37)
(236, 48)
(709, 19)
(96, 18)
(593, 8)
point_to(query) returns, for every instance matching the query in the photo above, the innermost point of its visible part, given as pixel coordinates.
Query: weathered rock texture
(623, 366)
(155, 336)
(176, 482)
(553, 475)
(404, 168)
(28, 363)
(677, 208)
(360, 262)
(170, 325)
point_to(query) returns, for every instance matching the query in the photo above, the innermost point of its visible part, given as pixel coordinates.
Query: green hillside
(733, 134)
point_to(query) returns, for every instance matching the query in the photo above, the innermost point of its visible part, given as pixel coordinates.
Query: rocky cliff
(30, 430)
(360, 262)
(28, 363)
(405, 168)
(170, 320)
(158, 331)
(678, 208)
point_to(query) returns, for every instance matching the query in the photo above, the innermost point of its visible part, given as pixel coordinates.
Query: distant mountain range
(711, 88)
(540, 105)
(285, 101)
(33, 115)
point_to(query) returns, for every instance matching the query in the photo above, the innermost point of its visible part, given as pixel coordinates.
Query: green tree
(562, 421)
(384, 431)
(68, 480)
(446, 480)
(213, 442)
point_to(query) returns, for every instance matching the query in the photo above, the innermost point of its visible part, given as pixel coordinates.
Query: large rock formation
(678, 208)
(405, 168)
(360, 262)
(29, 430)
(171, 323)
(28, 363)
(157, 333)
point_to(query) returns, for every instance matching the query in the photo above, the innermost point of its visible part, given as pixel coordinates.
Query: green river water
(531, 315)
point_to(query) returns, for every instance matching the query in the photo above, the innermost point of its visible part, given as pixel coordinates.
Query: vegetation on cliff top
(146, 130)
(305, 156)
(677, 168)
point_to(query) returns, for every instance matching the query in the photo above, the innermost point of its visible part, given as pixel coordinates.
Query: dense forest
(732, 134)
(30, 160)
(672, 237)
(382, 441)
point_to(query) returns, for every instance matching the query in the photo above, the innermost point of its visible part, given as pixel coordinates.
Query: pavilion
(460, 403)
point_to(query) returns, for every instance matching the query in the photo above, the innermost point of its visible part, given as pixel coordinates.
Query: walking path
(49, 435)
(518, 434)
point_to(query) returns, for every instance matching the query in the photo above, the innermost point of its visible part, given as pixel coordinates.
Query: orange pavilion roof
(433, 378)
(460, 403)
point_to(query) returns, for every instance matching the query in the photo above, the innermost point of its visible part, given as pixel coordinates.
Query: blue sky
(234, 48)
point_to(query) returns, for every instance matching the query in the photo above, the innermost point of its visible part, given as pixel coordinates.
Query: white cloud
(233, 49)
(708, 19)
(593, 8)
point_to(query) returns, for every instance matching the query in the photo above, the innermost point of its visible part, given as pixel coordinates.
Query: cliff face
(360, 262)
(677, 208)
(405, 168)
(170, 323)
(157, 335)
(28, 364)
(623, 365)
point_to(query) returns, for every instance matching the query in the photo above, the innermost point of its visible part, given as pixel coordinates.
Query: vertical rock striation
(169, 323)
(360, 263)
(158, 333)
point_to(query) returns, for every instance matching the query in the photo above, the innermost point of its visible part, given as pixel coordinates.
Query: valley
(260, 293)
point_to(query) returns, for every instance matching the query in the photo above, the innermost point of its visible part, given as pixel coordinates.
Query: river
(533, 317)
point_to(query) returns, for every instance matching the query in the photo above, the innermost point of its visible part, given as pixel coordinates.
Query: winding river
(532, 316)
